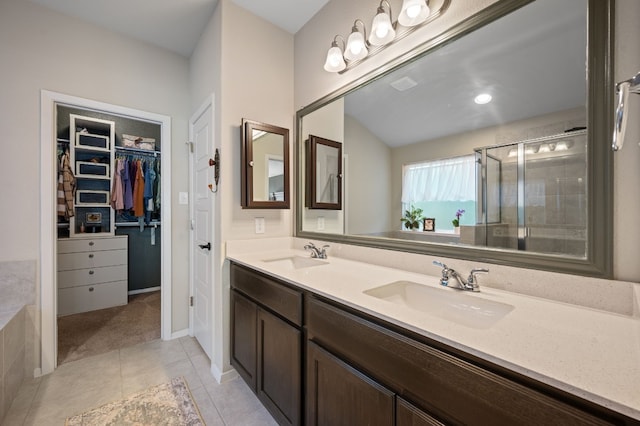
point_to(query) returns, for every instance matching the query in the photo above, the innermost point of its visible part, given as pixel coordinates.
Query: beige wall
(313, 83)
(248, 64)
(368, 182)
(42, 49)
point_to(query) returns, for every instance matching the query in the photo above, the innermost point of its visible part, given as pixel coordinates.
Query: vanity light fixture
(335, 60)
(382, 29)
(414, 12)
(483, 98)
(384, 32)
(356, 43)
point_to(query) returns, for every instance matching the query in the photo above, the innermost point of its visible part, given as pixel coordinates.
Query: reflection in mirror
(324, 168)
(265, 165)
(517, 167)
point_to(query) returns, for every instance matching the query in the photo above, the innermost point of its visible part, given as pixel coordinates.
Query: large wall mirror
(265, 166)
(521, 177)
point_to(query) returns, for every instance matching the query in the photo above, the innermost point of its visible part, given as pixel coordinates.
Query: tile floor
(90, 382)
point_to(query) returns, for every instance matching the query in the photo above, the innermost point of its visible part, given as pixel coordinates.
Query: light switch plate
(259, 225)
(183, 198)
(321, 223)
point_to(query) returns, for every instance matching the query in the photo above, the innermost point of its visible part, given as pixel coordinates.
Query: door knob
(205, 246)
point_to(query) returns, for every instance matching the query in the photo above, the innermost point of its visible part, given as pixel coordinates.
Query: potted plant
(456, 221)
(412, 218)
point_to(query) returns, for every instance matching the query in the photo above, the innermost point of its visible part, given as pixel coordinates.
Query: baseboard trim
(179, 334)
(223, 377)
(144, 290)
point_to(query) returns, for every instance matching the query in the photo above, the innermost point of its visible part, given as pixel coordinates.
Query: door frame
(208, 103)
(48, 225)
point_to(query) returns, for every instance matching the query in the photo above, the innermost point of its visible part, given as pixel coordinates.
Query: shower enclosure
(532, 195)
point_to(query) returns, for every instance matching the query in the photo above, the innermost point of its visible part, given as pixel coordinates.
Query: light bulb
(335, 61)
(413, 11)
(356, 48)
(382, 31)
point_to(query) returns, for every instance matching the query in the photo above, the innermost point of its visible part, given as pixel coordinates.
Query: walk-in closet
(109, 222)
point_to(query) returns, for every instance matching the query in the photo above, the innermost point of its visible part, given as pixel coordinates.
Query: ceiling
(178, 24)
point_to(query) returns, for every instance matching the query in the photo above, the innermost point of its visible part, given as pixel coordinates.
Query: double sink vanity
(340, 341)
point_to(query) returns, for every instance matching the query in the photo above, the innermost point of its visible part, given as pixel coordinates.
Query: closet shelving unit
(92, 158)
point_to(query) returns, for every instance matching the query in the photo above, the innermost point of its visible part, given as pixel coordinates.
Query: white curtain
(452, 179)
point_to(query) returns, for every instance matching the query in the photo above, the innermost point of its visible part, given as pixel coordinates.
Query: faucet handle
(440, 264)
(473, 280)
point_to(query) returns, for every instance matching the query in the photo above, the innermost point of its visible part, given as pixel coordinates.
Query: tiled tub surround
(579, 334)
(17, 328)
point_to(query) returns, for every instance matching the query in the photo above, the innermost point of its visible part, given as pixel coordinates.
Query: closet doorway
(105, 263)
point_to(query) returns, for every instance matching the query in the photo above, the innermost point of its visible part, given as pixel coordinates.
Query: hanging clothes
(117, 189)
(157, 192)
(126, 185)
(138, 191)
(150, 176)
(68, 187)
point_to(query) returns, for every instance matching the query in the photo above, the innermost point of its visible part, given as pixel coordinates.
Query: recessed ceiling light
(482, 98)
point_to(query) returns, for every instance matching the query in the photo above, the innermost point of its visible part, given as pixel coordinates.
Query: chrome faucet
(470, 284)
(319, 253)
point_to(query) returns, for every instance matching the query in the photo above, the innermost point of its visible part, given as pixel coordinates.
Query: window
(440, 188)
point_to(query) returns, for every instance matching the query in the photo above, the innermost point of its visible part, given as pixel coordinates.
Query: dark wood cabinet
(279, 367)
(266, 341)
(408, 414)
(243, 337)
(338, 394)
(359, 369)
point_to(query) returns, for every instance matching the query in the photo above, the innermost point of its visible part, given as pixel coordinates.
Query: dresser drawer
(70, 261)
(80, 277)
(75, 245)
(91, 297)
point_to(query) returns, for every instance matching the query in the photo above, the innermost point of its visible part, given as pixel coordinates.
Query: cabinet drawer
(75, 245)
(269, 293)
(451, 388)
(96, 259)
(91, 297)
(80, 277)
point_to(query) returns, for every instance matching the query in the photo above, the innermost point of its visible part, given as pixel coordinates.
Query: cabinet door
(243, 337)
(338, 394)
(409, 415)
(279, 368)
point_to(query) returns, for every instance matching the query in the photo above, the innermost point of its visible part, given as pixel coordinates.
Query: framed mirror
(324, 174)
(265, 166)
(537, 191)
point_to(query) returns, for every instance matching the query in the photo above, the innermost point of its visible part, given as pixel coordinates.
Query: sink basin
(453, 305)
(296, 262)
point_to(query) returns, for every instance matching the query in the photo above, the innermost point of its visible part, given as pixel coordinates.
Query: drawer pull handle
(91, 272)
(90, 243)
(90, 288)
(91, 256)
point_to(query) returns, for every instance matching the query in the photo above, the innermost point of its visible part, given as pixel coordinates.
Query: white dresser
(92, 273)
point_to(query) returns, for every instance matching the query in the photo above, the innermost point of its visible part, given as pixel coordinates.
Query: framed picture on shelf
(93, 217)
(429, 224)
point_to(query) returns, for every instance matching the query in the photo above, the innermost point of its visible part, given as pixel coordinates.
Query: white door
(202, 173)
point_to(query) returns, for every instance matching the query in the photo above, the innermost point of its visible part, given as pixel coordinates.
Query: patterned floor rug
(167, 404)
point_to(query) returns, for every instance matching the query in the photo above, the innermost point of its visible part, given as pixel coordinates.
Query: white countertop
(589, 353)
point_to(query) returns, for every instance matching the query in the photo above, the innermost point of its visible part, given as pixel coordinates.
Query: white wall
(42, 49)
(248, 64)
(313, 83)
